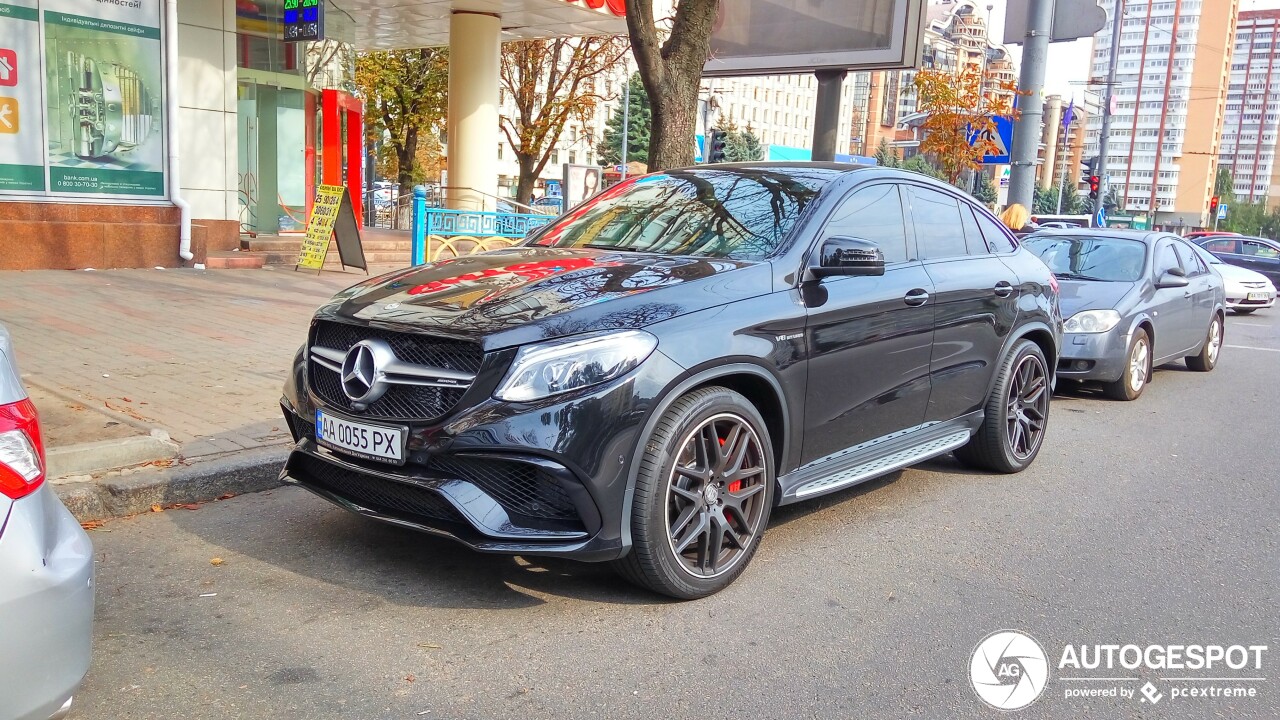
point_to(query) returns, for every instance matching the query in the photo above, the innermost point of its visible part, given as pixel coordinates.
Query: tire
(1137, 370)
(664, 496)
(996, 446)
(1244, 311)
(1207, 359)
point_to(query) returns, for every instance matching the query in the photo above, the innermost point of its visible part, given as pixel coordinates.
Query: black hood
(1077, 295)
(520, 295)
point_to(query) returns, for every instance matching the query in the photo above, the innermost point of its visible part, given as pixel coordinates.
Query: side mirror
(1174, 278)
(843, 255)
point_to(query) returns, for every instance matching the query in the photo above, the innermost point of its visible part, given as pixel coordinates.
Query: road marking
(1247, 347)
(1250, 324)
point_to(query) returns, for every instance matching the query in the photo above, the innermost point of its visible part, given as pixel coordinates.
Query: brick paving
(201, 354)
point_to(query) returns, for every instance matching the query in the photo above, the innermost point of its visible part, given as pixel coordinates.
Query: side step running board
(880, 466)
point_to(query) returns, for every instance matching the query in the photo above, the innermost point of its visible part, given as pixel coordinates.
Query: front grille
(1253, 285)
(521, 489)
(404, 402)
(375, 493)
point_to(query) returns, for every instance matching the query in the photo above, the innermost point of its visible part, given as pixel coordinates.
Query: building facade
(1252, 115)
(1169, 103)
(1062, 142)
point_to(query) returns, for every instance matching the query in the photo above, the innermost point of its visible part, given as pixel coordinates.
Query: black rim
(1028, 406)
(715, 495)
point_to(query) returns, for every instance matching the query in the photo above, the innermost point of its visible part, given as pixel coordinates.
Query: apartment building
(1249, 130)
(1062, 143)
(1169, 103)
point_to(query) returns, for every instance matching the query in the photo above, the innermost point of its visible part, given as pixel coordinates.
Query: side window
(939, 232)
(972, 235)
(1193, 264)
(875, 214)
(1166, 258)
(1221, 246)
(998, 237)
(1254, 248)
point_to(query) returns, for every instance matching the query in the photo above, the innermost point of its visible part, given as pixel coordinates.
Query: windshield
(741, 214)
(1084, 257)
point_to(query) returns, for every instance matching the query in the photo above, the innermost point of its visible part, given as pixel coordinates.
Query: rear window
(1085, 257)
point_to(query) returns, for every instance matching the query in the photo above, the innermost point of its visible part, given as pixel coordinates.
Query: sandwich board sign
(332, 218)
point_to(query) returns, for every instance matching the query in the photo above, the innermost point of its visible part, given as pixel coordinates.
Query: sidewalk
(201, 355)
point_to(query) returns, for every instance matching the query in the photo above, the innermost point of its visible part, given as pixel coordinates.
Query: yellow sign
(320, 227)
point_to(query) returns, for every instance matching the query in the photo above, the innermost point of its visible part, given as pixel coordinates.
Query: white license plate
(371, 442)
(1259, 296)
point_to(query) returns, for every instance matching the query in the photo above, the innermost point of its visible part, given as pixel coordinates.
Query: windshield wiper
(1078, 276)
(597, 246)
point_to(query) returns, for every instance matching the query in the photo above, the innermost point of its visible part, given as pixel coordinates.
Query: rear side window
(1257, 249)
(1221, 246)
(998, 238)
(874, 214)
(939, 230)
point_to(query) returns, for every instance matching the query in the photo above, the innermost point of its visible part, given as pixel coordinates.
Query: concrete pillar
(473, 132)
(826, 121)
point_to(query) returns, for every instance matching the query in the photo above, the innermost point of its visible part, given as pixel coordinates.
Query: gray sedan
(46, 569)
(1133, 300)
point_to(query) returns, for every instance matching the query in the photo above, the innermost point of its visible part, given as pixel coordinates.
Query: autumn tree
(639, 123)
(405, 91)
(960, 127)
(670, 57)
(551, 83)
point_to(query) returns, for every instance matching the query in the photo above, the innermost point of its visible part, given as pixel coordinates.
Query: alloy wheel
(715, 495)
(1138, 362)
(1215, 340)
(1028, 407)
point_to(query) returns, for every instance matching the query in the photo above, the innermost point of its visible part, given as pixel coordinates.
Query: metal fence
(439, 233)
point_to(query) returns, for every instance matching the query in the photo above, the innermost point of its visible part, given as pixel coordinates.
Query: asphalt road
(1145, 522)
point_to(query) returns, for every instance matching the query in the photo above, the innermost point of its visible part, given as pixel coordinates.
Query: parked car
(1199, 234)
(1058, 224)
(1253, 253)
(646, 378)
(1247, 291)
(1133, 300)
(46, 569)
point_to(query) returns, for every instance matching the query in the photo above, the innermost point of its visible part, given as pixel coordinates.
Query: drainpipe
(171, 114)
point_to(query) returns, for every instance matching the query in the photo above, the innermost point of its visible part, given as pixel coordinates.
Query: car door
(1172, 316)
(1261, 257)
(869, 338)
(976, 302)
(1202, 285)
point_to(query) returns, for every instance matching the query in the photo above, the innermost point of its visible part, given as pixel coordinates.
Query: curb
(129, 494)
(91, 457)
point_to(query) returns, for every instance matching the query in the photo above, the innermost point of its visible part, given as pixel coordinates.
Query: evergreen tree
(986, 190)
(921, 164)
(886, 156)
(1044, 202)
(1224, 185)
(638, 127)
(743, 146)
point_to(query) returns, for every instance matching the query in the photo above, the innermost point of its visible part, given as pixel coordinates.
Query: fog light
(1082, 364)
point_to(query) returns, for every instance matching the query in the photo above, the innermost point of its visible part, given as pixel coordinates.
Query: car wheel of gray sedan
(1137, 369)
(1208, 357)
(703, 495)
(1016, 414)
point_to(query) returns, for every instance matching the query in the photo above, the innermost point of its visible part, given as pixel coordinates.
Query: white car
(1246, 290)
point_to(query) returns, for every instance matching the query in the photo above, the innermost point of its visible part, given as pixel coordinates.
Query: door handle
(1004, 288)
(916, 298)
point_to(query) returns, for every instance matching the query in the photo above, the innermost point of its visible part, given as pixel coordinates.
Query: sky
(1068, 66)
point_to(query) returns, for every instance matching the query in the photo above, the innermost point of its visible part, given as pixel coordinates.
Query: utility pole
(1026, 132)
(626, 122)
(1117, 20)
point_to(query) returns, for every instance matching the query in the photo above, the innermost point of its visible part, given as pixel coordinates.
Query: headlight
(553, 368)
(1092, 321)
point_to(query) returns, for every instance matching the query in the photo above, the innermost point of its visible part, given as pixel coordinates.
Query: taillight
(21, 451)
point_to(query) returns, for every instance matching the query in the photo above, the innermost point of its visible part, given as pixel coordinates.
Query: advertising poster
(21, 126)
(104, 90)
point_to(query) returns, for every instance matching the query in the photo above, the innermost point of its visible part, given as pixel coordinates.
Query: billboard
(770, 37)
(86, 88)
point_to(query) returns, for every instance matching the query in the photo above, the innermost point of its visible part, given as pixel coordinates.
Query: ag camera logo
(1008, 670)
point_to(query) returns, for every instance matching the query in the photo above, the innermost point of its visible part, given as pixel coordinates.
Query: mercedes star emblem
(363, 371)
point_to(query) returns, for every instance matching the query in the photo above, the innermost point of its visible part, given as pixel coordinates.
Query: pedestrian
(1016, 218)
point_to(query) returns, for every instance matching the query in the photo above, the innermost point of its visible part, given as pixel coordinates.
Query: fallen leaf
(433, 646)
(156, 508)
(410, 678)
(91, 524)
(126, 399)
(226, 496)
(215, 561)
(187, 506)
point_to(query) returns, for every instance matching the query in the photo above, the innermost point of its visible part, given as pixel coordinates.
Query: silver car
(46, 569)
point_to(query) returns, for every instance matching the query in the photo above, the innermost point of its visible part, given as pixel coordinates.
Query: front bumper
(1239, 299)
(1094, 356)
(543, 478)
(46, 602)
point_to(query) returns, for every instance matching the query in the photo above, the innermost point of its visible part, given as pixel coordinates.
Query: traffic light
(1095, 179)
(1213, 206)
(1095, 184)
(715, 143)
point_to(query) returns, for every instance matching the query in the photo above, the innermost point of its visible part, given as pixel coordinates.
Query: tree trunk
(528, 175)
(672, 138)
(407, 160)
